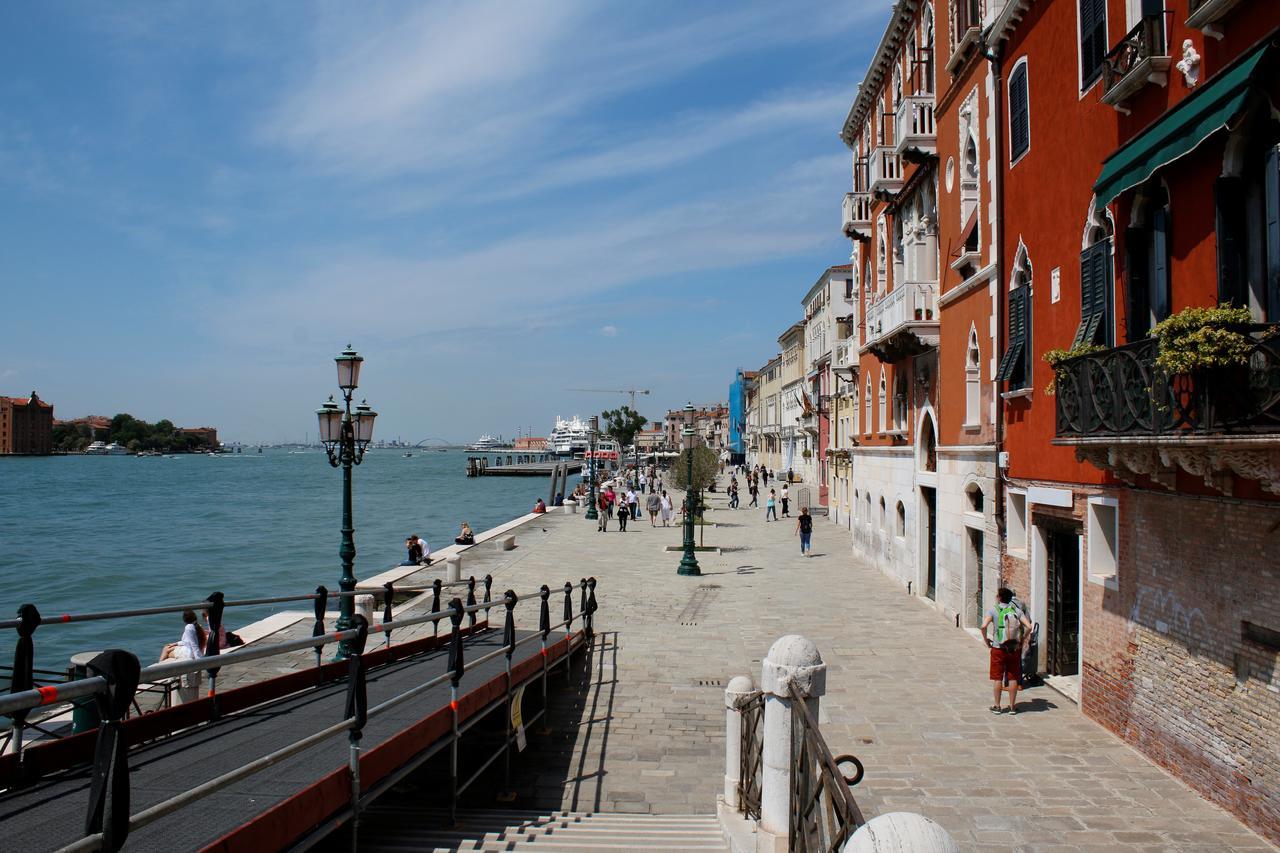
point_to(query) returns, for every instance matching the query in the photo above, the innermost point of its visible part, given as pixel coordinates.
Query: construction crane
(632, 391)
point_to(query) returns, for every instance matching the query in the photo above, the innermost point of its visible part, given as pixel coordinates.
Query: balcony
(914, 128)
(845, 357)
(885, 172)
(1125, 415)
(1140, 58)
(904, 322)
(1207, 15)
(856, 213)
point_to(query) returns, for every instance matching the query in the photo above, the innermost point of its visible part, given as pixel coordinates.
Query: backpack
(1008, 623)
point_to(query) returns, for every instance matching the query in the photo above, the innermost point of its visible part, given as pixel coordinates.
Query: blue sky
(201, 204)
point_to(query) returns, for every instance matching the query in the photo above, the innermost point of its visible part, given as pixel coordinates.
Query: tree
(623, 424)
(705, 467)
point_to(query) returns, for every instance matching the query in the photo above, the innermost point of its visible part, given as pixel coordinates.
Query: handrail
(823, 812)
(356, 715)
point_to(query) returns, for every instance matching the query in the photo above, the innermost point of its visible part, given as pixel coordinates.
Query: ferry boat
(570, 437)
(99, 448)
(487, 442)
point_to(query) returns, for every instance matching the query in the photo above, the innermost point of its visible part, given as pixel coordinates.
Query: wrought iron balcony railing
(1138, 59)
(1123, 392)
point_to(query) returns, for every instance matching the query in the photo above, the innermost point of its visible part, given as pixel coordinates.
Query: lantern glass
(364, 422)
(330, 419)
(349, 369)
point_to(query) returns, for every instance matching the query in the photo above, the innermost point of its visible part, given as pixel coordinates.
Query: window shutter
(1086, 299)
(1019, 121)
(1160, 290)
(1102, 290)
(1014, 354)
(1099, 34)
(1271, 185)
(1136, 282)
(1228, 199)
(1093, 39)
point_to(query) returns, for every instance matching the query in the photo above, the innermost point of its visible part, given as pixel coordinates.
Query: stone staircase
(403, 829)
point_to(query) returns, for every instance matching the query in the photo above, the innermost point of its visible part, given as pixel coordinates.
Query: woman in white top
(665, 512)
(190, 647)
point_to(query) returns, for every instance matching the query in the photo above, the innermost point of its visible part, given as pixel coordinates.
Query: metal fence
(752, 755)
(823, 811)
(117, 675)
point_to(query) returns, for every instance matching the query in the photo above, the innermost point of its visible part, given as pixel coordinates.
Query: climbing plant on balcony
(1199, 339)
(1056, 358)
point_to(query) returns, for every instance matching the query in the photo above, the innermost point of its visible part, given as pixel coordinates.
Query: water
(91, 533)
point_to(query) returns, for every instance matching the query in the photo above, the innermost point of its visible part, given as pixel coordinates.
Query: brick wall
(1165, 664)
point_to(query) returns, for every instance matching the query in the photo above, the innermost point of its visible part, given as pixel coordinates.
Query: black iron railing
(823, 812)
(1122, 391)
(1143, 41)
(115, 677)
(751, 755)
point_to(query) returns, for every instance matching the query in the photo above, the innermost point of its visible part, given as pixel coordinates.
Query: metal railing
(823, 812)
(1143, 41)
(118, 675)
(752, 755)
(1123, 391)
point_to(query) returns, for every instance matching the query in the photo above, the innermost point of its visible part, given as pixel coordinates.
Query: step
(392, 828)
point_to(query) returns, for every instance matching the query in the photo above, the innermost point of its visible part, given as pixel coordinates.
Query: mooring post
(791, 660)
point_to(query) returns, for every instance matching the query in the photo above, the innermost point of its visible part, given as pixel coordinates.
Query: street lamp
(689, 562)
(592, 513)
(346, 435)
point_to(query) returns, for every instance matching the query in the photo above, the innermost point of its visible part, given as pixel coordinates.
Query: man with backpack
(1012, 630)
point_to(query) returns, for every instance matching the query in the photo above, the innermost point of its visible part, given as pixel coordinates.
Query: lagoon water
(91, 533)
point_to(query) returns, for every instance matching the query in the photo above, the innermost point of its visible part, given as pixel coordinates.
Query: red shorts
(1005, 662)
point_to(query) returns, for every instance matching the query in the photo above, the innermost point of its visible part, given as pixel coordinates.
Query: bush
(1197, 339)
(1055, 358)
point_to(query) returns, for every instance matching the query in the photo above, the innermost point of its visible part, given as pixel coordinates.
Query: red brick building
(1140, 175)
(26, 426)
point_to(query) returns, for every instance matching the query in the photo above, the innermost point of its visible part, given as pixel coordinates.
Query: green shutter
(1086, 299)
(1014, 355)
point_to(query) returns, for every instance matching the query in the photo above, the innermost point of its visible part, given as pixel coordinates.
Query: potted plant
(1056, 359)
(1207, 350)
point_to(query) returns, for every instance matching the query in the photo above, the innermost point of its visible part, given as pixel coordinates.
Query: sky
(494, 203)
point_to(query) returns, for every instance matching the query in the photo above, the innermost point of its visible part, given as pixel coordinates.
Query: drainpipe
(991, 52)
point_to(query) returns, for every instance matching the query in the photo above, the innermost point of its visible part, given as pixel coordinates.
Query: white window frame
(1016, 522)
(1103, 517)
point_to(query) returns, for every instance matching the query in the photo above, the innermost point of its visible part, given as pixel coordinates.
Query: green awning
(1181, 130)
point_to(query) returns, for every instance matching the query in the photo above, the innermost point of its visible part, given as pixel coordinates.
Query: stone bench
(507, 543)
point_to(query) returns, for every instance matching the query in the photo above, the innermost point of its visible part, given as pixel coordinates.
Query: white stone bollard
(897, 831)
(792, 659)
(453, 568)
(740, 687)
(364, 606)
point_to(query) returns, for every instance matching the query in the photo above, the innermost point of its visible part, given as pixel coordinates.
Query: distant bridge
(440, 442)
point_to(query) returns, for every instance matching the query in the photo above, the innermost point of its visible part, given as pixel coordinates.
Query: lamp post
(345, 436)
(689, 562)
(592, 513)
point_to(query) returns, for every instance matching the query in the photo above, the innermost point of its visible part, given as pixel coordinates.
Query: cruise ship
(488, 442)
(570, 437)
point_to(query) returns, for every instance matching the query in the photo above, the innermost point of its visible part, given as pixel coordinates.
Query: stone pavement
(907, 693)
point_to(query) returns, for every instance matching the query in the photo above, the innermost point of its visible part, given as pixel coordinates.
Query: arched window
(857, 503)
(901, 528)
(974, 494)
(884, 392)
(900, 399)
(1019, 112)
(882, 513)
(973, 380)
(1015, 364)
(867, 407)
(926, 46)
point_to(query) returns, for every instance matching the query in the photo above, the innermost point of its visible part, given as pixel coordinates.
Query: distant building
(208, 434)
(95, 423)
(651, 438)
(738, 389)
(530, 443)
(710, 424)
(26, 426)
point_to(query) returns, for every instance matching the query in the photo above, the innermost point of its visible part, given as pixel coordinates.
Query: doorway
(1062, 599)
(974, 561)
(931, 542)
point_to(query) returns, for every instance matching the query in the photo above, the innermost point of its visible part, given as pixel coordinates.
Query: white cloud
(609, 331)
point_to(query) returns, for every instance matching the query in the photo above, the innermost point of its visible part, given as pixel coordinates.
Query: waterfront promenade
(907, 693)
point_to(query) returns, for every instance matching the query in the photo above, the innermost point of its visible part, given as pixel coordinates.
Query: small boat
(407, 454)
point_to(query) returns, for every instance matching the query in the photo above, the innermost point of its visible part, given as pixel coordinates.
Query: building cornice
(970, 284)
(1002, 25)
(900, 17)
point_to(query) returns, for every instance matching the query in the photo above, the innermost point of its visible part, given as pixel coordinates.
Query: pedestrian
(804, 528)
(415, 553)
(653, 504)
(633, 504)
(624, 515)
(771, 507)
(465, 535)
(665, 506)
(1012, 631)
(190, 647)
(602, 510)
(755, 493)
(785, 498)
(764, 475)
(644, 481)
